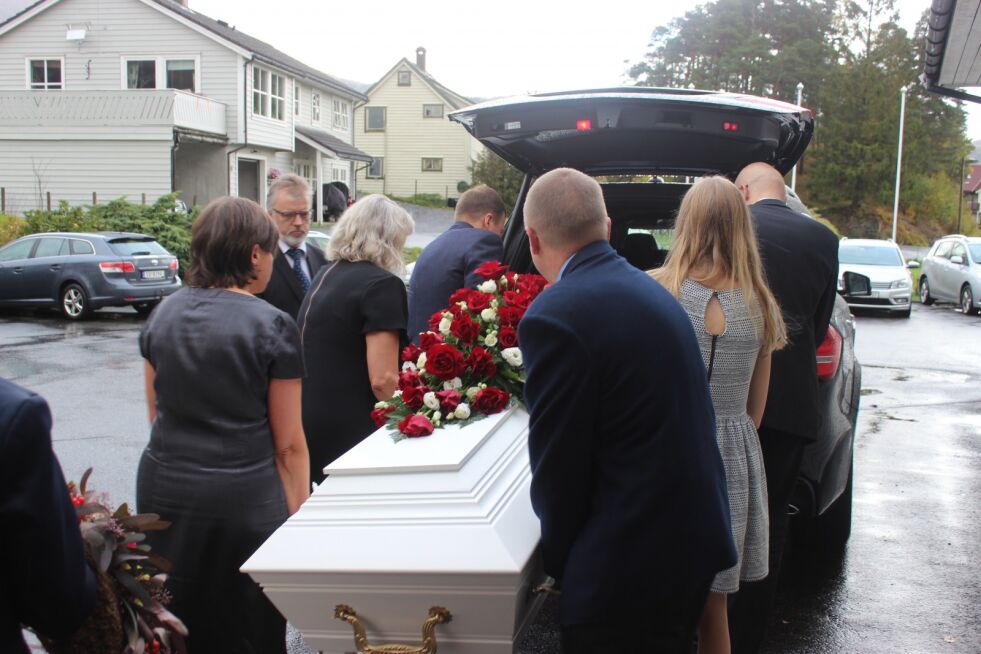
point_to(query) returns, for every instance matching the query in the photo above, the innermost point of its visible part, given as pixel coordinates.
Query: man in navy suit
(45, 583)
(296, 262)
(447, 264)
(626, 474)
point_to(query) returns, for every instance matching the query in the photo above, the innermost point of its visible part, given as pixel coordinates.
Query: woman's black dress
(209, 467)
(346, 301)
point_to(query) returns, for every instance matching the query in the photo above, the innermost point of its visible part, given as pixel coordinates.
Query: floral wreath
(468, 365)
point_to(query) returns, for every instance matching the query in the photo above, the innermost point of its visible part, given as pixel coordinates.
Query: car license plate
(154, 274)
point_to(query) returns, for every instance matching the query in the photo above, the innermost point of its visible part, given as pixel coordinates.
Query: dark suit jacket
(447, 264)
(44, 580)
(284, 290)
(800, 257)
(626, 474)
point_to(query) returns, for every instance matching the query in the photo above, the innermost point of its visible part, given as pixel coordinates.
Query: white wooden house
(138, 98)
(403, 126)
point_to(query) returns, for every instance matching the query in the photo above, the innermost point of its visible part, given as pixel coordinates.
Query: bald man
(800, 257)
(626, 474)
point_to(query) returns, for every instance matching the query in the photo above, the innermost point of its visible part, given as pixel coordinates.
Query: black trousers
(667, 628)
(749, 609)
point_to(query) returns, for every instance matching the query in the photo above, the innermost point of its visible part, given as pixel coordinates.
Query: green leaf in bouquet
(121, 512)
(132, 585)
(134, 537)
(84, 482)
(162, 564)
(144, 522)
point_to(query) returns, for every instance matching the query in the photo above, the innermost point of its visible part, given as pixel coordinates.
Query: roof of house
(952, 58)
(452, 98)
(334, 144)
(972, 183)
(262, 51)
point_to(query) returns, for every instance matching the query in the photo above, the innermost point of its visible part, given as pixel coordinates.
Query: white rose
(488, 315)
(513, 356)
(397, 394)
(408, 366)
(491, 339)
(472, 393)
(444, 324)
(430, 400)
(454, 384)
(462, 411)
(421, 362)
(381, 405)
(490, 286)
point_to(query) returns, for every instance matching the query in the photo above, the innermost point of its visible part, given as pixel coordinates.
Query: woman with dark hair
(227, 460)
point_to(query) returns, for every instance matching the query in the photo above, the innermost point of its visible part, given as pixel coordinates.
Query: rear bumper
(124, 294)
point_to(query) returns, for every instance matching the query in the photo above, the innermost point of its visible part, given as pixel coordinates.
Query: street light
(899, 158)
(793, 174)
(960, 189)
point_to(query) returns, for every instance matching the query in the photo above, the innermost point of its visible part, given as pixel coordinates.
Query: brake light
(584, 124)
(117, 267)
(829, 355)
(730, 127)
(173, 265)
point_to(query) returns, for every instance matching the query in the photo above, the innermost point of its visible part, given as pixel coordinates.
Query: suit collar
(459, 224)
(587, 253)
(283, 266)
(770, 202)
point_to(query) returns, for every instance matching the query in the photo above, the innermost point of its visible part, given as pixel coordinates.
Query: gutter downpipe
(245, 120)
(173, 162)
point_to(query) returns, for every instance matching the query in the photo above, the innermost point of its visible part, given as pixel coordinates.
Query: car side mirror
(958, 259)
(855, 285)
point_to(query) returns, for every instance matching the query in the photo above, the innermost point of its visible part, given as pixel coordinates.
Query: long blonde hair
(714, 230)
(374, 229)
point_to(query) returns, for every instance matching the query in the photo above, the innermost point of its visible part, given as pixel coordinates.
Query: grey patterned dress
(736, 351)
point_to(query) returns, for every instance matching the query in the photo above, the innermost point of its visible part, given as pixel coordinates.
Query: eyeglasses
(291, 215)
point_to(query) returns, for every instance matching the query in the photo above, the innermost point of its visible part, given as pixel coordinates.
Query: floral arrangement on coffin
(130, 615)
(468, 365)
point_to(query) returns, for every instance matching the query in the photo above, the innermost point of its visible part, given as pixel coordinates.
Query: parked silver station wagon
(951, 272)
(77, 272)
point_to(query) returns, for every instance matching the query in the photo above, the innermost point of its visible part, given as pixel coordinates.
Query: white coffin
(397, 528)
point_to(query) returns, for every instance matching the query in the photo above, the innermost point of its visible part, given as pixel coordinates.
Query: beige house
(403, 126)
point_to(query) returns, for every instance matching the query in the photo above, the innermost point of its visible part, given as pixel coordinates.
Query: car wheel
(831, 529)
(925, 297)
(73, 302)
(144, 308)
(967, 301)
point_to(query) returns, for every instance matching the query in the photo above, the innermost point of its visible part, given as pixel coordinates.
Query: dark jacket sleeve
(45, 579)
(560, 394)
(486, 248)
(822, 317)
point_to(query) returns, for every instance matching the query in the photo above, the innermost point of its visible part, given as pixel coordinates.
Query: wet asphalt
(910, 579)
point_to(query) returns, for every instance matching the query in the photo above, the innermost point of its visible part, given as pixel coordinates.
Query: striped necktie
(297, 255)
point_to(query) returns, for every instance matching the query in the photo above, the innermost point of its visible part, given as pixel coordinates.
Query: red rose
(479, 301)
(518, 299)
(411, 353)
(416, 425)
(408, 379)
(507, 337)
(412, 396)
(481, 363)
(434, 320)
(380, 416)
(448, 401)
(444, 361)
(509, 316)
(491, 269)
(429, 339)
(465, 329)
(491, 400)
(462, 295)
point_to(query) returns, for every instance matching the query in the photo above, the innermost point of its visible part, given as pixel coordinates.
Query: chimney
(421, 57)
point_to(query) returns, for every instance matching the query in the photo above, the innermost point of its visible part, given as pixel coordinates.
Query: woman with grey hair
(352, 325)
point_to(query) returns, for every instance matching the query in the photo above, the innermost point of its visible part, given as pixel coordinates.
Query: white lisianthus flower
(490, 286)
(444, 324)
(471, 393)
(397, 394)
(495, 304)
(488, 315)
(430, 400)
(462, 411)
(450, 416)
(454, 384)
(462, 305)
(513, 356)
(381, 405)
(408, 366)
(437, 417)
(491, 339)
(421, 362)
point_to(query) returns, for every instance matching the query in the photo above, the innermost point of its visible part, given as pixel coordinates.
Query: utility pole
(899, 159)
(793, 174)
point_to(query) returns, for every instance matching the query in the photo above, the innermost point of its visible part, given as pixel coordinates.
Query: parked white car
(951, 272)
(882, 262)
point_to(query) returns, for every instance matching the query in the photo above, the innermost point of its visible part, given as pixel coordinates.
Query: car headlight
(901, 283)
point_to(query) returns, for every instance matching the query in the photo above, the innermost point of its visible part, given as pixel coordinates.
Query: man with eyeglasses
(296, 264)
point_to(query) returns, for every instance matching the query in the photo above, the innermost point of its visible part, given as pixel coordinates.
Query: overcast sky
(478, 49)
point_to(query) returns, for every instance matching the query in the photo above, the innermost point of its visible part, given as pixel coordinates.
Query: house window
(141, 74)
(180, 74)
(405, 78)
(341, 112)
(377, 168)
(296, 99)
(45, 74)
(306, 170)
(315, 107)
(432, 165)
(268, 93)
(339, 174)
(432, 111)
(374, 119)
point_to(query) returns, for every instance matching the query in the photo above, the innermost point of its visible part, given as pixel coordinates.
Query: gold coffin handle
(437, 615)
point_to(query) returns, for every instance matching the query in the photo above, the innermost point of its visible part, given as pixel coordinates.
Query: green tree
(498, 174)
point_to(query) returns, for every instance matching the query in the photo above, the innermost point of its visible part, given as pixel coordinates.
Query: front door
(248, 180)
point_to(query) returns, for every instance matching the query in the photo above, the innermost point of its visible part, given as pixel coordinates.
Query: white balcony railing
(115, 109)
